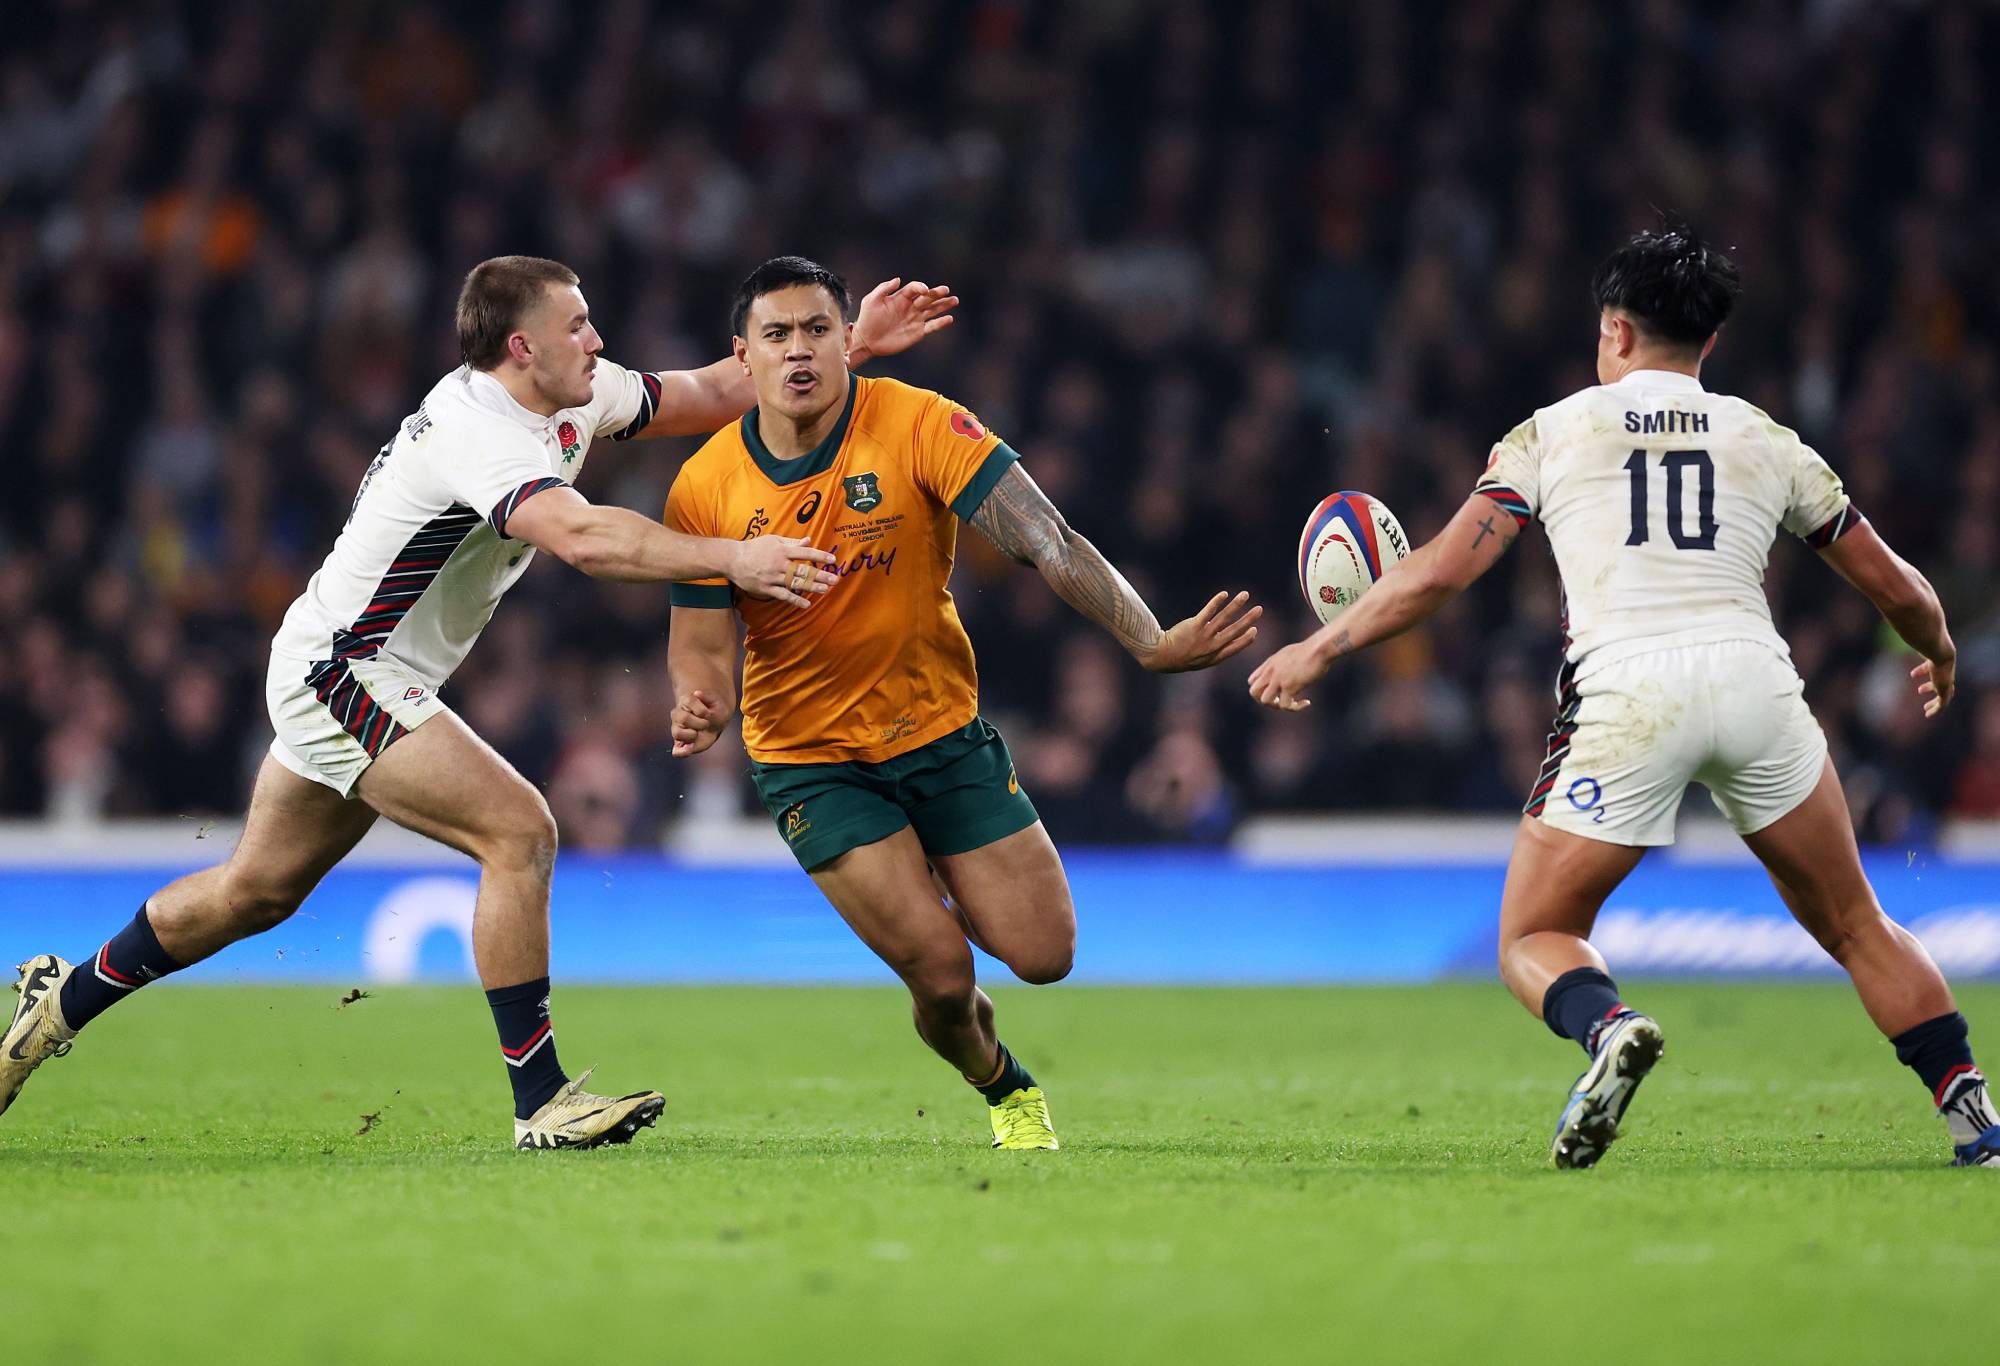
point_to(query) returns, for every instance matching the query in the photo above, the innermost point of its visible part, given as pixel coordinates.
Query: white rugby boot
(38, 1031)
(1968, 1112)
(1626, 1052)
(574, 1118)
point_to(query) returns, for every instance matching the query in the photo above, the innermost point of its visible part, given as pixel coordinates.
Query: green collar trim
(815, 461)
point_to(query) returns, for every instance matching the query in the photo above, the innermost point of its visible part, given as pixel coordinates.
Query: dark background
(1217, 261)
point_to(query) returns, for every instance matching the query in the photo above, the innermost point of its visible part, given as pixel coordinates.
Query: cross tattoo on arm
(1485, 530)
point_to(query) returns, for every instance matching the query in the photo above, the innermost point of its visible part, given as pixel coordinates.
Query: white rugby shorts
(336, 717)
(1631, 735)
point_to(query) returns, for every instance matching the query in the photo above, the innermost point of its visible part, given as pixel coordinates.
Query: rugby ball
(1349, 542)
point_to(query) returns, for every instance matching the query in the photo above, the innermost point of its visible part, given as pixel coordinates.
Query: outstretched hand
(896, 316)
(696, 721)
(1223, 628)
(783, 569)
(1937, 680)
(1279, 680)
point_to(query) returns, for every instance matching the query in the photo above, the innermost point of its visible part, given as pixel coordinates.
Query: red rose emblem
(566, 435)
(967, 426)
(1329, 596)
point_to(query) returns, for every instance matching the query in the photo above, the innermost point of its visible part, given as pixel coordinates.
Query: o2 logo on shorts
(1587, 794)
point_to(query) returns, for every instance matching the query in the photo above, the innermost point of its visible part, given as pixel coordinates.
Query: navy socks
(1579, 1004)
(1937, 1051)
(528, 1043)
(129, 959)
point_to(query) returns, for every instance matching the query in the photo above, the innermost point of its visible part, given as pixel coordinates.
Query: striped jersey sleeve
(491, 469)
(1818, 511)
(506, 507)
(1513, 475)
(622, 402)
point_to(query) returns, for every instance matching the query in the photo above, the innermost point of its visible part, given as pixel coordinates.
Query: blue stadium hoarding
(1157, 916)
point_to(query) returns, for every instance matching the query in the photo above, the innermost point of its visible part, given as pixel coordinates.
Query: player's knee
(941, 987)
(1843, 935)
(257, 903)
(1046, 963)
(523, 835)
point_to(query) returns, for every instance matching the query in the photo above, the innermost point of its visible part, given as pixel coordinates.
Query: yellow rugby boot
(38, 1031)
(574, 1118)
(1022, 1120)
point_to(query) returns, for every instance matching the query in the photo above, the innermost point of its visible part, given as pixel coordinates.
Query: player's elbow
(1056, 548)
(587, 545)
(586, 555)
(1432, 580)
(1906, 596)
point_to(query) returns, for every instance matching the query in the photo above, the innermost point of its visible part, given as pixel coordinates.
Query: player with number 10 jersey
(1661, 501)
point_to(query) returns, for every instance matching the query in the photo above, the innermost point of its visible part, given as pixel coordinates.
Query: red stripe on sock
(1949, 1078)
(527, 1047)
(104, 966)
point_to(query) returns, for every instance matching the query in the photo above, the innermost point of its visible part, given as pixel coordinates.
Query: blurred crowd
(1216, 261)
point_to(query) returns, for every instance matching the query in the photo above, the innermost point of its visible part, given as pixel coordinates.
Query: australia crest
(864, 491)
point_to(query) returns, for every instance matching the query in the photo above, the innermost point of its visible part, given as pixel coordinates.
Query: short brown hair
(496, 295)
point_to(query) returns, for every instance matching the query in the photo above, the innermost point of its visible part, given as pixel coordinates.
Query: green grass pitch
(1248, 1176)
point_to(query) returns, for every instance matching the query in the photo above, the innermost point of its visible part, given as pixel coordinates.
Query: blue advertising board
(1157, 916)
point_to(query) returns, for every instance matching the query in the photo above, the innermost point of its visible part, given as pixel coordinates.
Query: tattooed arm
(1410, 591)
(1023, 525)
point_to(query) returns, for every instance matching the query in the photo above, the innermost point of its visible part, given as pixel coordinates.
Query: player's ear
(742, 350)
(520, 348)
(1625, 336)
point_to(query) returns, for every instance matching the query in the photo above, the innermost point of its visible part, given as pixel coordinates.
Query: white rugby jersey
(1661, 501)
(425, 557)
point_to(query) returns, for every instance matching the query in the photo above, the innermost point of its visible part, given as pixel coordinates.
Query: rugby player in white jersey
(446, 520)
(1661, 500)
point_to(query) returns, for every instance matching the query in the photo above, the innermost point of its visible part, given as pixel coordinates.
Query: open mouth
(801, 381)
